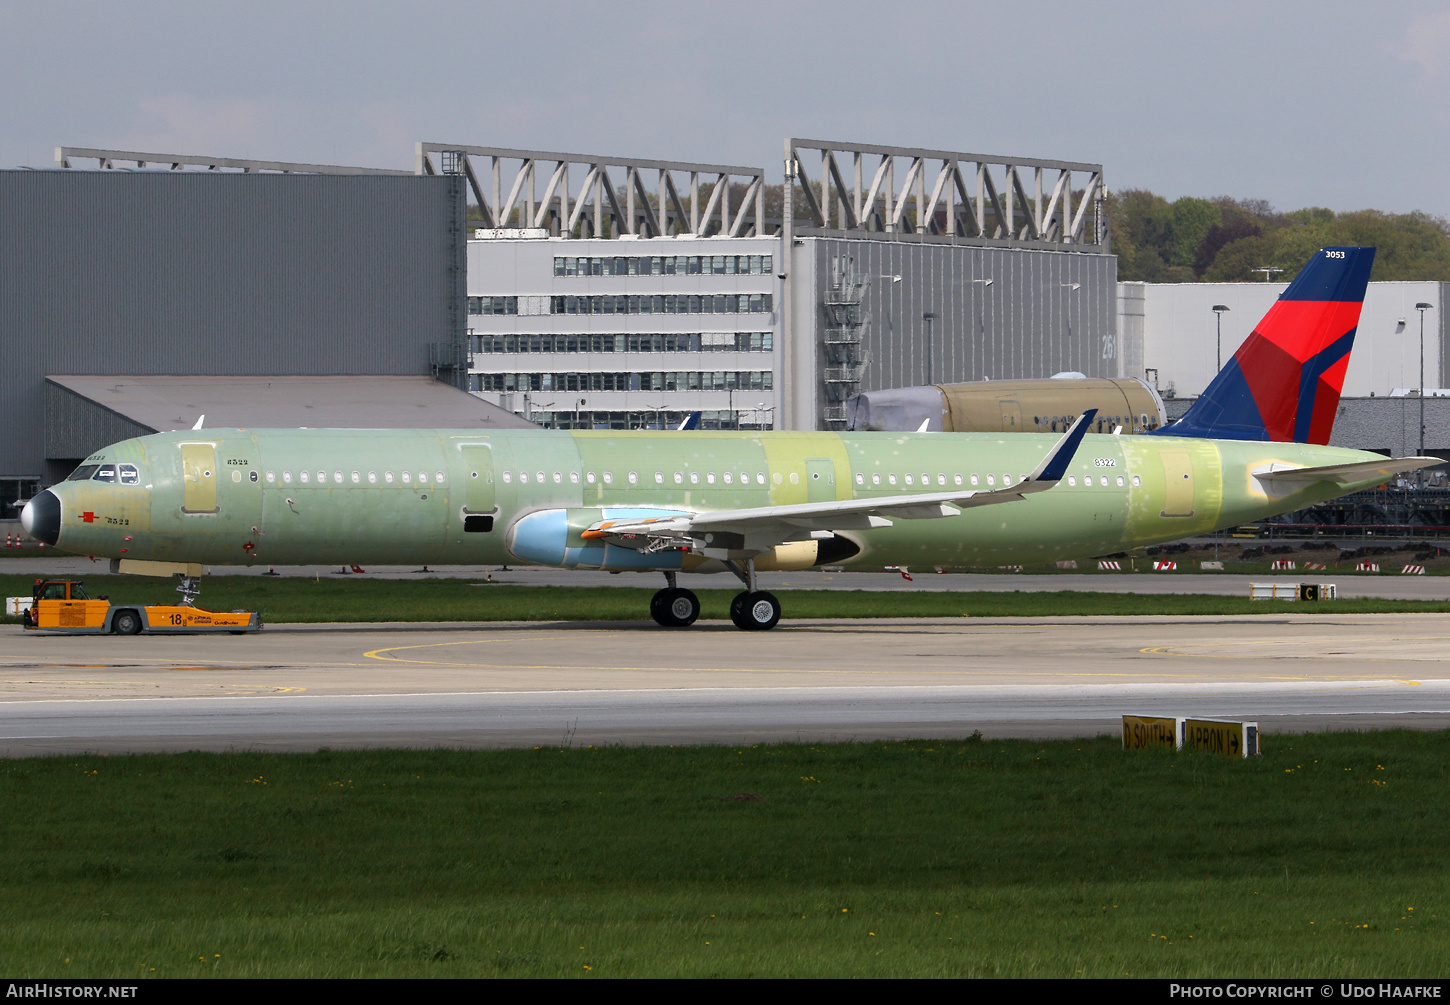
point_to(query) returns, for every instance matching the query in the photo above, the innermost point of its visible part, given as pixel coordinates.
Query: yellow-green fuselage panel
(413, 496)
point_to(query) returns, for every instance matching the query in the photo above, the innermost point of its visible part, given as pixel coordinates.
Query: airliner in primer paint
(674, 502)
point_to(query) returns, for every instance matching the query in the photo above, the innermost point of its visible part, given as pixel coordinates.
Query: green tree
(1236, 260)
(1413, 246)
(1189, 224)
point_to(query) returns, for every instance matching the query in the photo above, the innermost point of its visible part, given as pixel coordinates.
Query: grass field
(1325, 857)
(285, 599)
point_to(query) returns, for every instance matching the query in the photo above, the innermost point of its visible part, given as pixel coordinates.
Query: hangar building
(619, 293)
(192, 267)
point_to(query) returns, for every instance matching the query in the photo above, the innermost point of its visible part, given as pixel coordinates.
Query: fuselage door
(820, 479)
(1178, 477)
(1011, 416)
(478, 475)
(198, 469)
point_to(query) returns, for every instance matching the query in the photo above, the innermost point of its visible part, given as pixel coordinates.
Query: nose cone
(41, 517)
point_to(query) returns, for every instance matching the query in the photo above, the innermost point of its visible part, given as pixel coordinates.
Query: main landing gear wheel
(756, 611)
(674, 608)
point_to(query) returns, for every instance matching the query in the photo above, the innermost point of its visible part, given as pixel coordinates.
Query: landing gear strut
(754, 610)
(673, 607)
(189, 589)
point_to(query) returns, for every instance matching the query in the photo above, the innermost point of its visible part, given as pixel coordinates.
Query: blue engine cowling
(551, 537)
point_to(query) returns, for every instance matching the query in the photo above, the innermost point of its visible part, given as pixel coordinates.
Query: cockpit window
(105, 473)
(83, 472)
(128, 474)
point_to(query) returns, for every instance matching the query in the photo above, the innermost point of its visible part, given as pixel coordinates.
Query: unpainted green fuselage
(299, 496)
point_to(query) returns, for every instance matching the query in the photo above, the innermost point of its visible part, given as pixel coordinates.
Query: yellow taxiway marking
(385, 656)
(1178, 650)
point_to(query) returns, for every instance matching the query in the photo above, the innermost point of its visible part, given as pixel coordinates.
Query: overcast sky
(1339, 104)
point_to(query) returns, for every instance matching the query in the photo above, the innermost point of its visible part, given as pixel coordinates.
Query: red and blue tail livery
(1284, 382)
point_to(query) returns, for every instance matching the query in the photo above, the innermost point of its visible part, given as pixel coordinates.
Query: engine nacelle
(552, 537)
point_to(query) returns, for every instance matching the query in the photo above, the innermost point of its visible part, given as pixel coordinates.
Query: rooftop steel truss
(869, 191)
(181, 162)
(642, 198)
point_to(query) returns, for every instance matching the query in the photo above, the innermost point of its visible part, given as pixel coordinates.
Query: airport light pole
(928, 317)
(986, 284)
(1218, 310)
(1422, 307)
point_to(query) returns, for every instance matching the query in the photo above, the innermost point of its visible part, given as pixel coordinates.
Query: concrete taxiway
(1388, 585)
(305, 687)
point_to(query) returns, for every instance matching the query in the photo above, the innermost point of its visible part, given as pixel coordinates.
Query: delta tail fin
(1283, 384)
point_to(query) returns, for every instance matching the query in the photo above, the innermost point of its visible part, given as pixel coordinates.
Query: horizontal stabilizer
(1289, 479)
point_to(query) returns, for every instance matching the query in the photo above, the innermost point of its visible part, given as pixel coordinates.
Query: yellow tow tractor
(62, 605)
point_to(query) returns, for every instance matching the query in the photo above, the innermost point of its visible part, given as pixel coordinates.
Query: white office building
(619, 333)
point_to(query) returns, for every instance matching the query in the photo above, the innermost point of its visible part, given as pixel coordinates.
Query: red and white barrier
(1165, 566)
(1367, 567)
(1283, 565)
(1316, 566)
(1413, 570)
(1109, 565)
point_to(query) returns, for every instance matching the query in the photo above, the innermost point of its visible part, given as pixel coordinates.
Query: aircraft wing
(762, 527)
(1283, 478)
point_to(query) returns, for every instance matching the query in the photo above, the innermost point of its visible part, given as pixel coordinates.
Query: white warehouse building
(1169, 333)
